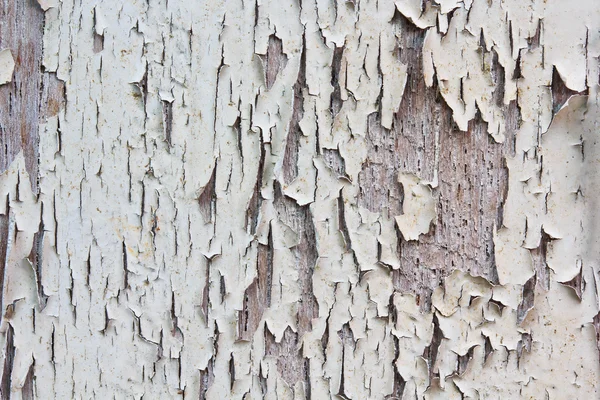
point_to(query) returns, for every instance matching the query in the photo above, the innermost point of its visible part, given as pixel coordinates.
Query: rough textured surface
(308, 200)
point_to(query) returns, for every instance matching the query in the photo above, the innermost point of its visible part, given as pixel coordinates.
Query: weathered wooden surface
(206, 198)
(33, 95)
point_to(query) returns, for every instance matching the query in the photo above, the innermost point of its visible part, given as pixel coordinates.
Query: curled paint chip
(48, 4)
(419, 207)
(7, 66)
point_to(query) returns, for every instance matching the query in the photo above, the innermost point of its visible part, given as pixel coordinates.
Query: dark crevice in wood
(204, 305)
(336, 102)
(207, 378)
(596, 322)
(125, 267)
(528, 299)
(463, 361)
(523, 345)
(540, 265)
(498, 76)
(142, 86)
(348, 343)
(431, 351)
(253, 209)
(577, 282)
(275, 60)
(343, 226)
(208, 198)
(167, 109)
(262, 381)
(98, 43)
(347, 336)
(534, 41)
(399, 381)
(9, 355)
(4, 232)
(325, 340)
(237, 127)
(222, 287)
(27, 392)
(290, 158)
(257, 297)
(487, 347)
(35, 257)
(307, 388)
(560, 91)
(231, 372)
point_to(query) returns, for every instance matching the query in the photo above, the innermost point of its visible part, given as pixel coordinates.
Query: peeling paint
(7, 66)
(419, 208)
(257, 200)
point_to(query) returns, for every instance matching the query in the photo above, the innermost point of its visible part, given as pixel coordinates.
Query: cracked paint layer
(256, 200)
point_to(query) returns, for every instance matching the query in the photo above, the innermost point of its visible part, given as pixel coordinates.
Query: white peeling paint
(194, 238)
(419, 207)
(47, 4)
(7, 66)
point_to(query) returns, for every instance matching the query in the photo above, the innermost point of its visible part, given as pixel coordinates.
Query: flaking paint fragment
(7, 66)
(47, 4)
(418, 207)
